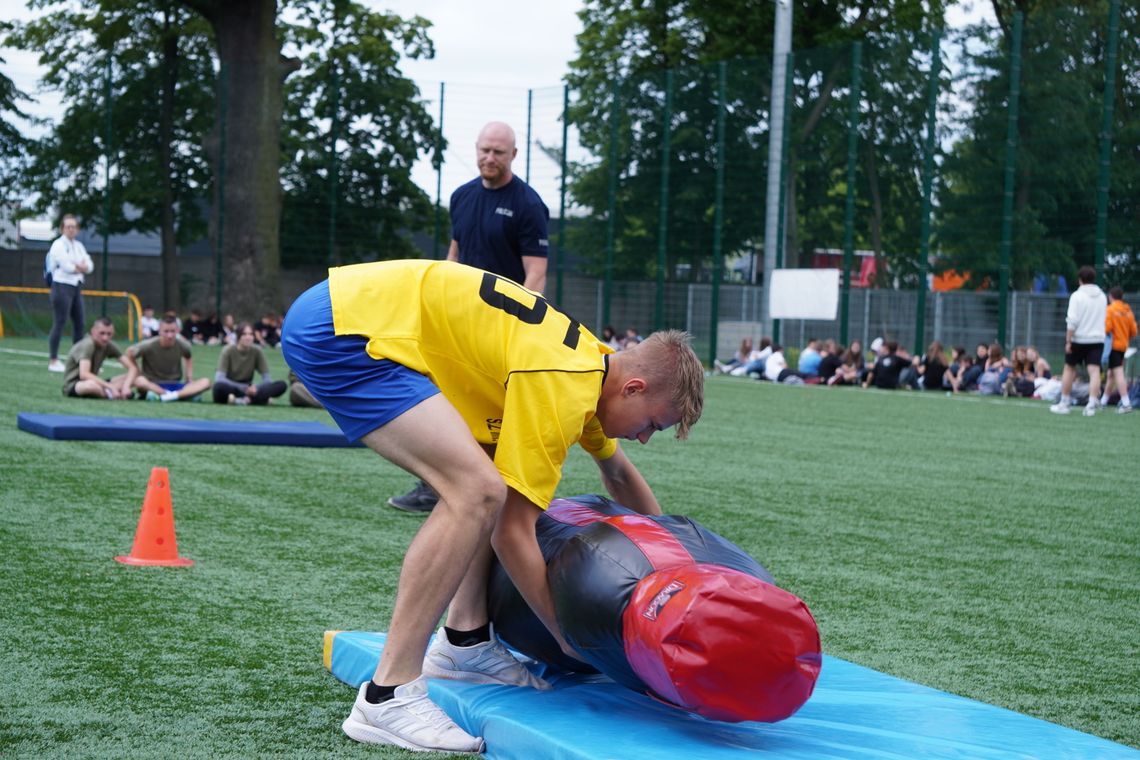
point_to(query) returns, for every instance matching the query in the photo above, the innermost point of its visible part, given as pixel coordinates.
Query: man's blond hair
(666, 360)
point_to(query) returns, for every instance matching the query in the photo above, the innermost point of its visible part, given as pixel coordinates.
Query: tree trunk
(171, 293)
(246, 148)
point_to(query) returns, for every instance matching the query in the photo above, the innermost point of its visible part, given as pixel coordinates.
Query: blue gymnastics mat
(66, 427)
(855, 712)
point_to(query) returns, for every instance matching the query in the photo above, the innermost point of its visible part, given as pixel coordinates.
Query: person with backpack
(66, 264)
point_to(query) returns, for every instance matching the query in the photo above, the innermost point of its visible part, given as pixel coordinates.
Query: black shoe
(422, 498)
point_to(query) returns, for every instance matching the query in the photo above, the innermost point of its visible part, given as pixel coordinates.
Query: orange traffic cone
(155, 543)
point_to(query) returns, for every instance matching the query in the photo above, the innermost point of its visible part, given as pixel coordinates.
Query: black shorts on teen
(1084, 353)
(1115, 359)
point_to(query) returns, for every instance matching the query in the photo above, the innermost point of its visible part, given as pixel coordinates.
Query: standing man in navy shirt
(498, 223)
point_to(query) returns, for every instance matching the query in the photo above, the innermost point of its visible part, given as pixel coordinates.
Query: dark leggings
(265, 391)
(66, 301)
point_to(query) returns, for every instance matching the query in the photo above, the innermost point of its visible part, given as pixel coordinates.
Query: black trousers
(66, 301)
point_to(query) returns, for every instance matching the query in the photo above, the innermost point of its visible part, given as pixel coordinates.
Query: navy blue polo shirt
(496, 228)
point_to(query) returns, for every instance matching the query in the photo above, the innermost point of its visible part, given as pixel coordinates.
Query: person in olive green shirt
(233, 382)
(85, 359)
(165, 361)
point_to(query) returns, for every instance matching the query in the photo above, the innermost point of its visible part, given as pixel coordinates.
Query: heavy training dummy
(664, 606)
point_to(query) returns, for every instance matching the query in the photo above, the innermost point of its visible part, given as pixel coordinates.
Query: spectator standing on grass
(167, 369)
(487, 415)
(67, 262)
(233, 382)
(1121, 324)
(498, 224)
(85, 359)
(1084, 340)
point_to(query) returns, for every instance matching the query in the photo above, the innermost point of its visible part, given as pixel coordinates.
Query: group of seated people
(161, 368)
(210, 331)
(988, 370)
(620, 342)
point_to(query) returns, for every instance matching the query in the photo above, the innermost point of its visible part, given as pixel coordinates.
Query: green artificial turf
(980, 546)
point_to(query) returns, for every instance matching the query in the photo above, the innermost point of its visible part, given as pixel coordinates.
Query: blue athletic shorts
(361, 393)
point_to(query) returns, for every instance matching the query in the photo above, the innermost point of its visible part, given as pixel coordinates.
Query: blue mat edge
(1019, 735)
(62, 427)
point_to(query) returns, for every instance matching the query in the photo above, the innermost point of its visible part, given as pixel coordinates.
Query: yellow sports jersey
(523, 375)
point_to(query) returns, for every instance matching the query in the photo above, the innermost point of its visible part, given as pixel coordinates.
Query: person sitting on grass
(233, 382)
(739, 359)
(809, 361)
(85, 359)
(889, 366)
(165, 361)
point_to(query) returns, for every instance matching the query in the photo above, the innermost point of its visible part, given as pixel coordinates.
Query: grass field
(980, 546)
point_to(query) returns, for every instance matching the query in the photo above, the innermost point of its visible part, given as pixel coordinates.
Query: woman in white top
(68, 262)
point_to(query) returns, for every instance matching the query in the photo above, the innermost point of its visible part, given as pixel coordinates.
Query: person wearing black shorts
(1084, 341)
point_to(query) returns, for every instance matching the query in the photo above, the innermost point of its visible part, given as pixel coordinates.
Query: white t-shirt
(774, 366)
(1087, 306)
(64, 255)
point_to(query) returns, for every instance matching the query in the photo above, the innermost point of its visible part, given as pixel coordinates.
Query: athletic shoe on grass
(409, 720)
(422, 498)
(1059, 408)
(55, 366)
(489, 662)
(1090, 410)
(1123, 409)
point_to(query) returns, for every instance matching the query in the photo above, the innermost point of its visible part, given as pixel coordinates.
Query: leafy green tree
(355, 201)
(12, 141)
(134, 78)
(633, 44)
(1058, 146)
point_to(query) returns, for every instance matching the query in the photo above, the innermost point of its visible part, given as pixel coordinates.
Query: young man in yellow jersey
(479, 386)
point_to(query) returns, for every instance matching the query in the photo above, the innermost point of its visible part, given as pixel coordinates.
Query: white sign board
(804, 294)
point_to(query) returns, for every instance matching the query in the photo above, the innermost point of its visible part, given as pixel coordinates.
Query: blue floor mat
(855, 712)
(66, 427)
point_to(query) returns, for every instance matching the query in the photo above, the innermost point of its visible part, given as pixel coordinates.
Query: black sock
(374, 694)
(468, 638)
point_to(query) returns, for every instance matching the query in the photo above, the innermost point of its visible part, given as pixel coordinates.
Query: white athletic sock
(1067, 400)
(169, 396)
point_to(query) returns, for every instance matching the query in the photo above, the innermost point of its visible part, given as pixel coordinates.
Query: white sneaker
(409, 720)
(1060, 407)
(1090, 409)
(55, 366)
(489, 662)
(1123, 408)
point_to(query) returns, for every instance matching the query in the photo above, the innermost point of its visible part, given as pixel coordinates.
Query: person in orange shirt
(1120, 324)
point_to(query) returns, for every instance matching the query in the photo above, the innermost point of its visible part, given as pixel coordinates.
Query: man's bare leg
(432, 441)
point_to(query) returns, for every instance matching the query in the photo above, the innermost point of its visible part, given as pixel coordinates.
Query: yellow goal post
(133, 305)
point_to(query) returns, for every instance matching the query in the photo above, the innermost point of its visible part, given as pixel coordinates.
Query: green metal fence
(1006, 154)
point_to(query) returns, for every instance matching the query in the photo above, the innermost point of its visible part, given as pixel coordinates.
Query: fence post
(927, 191)
(849, 208)
(561, 267)
(1010, 167)
(107, 137)
(438, 178)
(718, 215)
(223, 97)
(529, 112)
(611, 220)
(1106, 137)
(334, 169)
(663, 211)
(781, 213)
